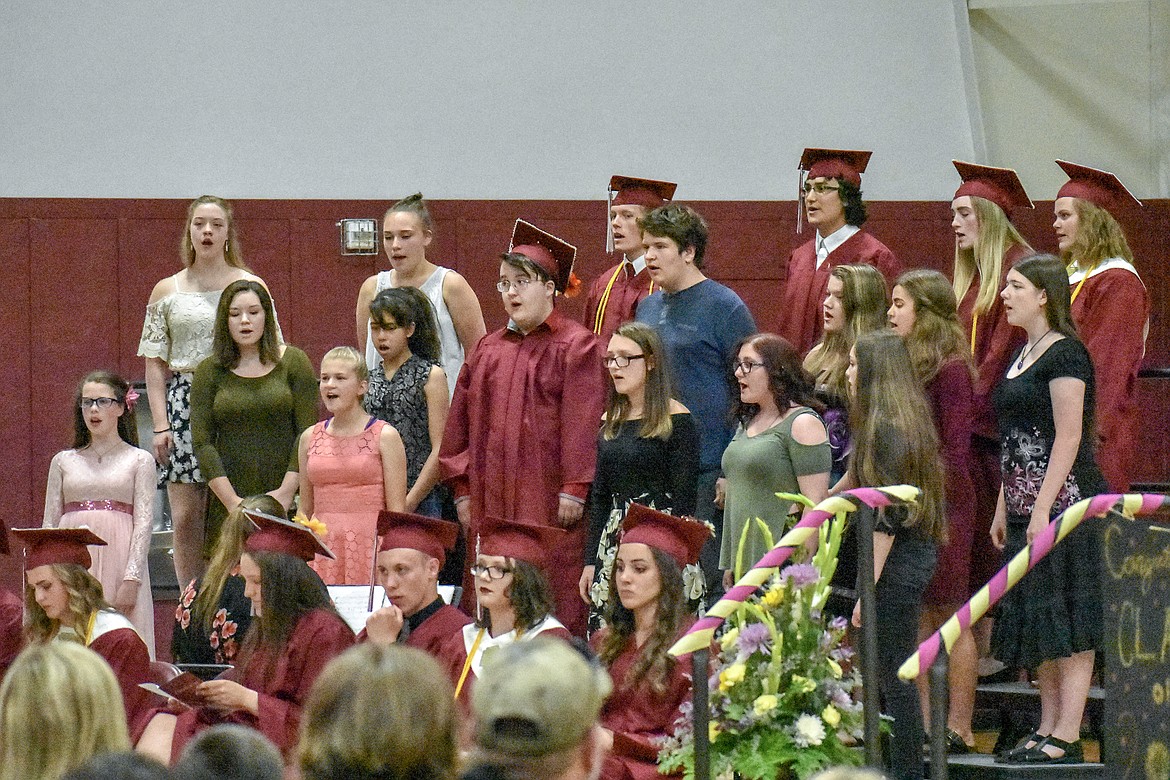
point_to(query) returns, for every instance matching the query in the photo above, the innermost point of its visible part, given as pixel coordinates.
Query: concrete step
(980, 766)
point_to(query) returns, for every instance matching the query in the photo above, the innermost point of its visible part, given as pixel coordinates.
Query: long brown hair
(937, 336)
(289, 590)
(864, 301)
(1099, 237)
(984, 259)
(890, 407)
(85, 598)
(127, 424)
(656, 420)
(224, 348)
(1047, 273)
(654, 663)
(231, 247)
(236, 530)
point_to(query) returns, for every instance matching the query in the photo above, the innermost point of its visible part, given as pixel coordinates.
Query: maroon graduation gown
(996, 341)
(637, 715)
(317, 638)
(11, 629)
(434, 631)
(624, 295)
(805, 285)
(1111, 312)
(127, 655)
(950, 395)
(521, 431)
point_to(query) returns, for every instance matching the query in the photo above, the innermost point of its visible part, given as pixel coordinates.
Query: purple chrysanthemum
(801, 574)
(753, 637)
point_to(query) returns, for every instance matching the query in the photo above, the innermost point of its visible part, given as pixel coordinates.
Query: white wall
(465, 99)
(141, 98)
(1087, 82)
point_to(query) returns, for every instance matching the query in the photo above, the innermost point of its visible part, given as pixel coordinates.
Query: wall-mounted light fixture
(358, 236)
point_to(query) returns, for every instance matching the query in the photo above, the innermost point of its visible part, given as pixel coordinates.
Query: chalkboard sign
(1136, 589)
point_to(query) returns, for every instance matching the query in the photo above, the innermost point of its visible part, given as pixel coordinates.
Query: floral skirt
(182, 467)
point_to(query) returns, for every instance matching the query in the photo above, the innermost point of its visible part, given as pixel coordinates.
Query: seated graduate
(515, 600)
(410, 556)
(63, 601)
(647, 613)
(297, 631)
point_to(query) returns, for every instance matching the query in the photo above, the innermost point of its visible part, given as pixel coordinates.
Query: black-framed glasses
(746, 366)
(101, 403)
(491, 572)
(819, 187)
(520, 284)
(620, 361)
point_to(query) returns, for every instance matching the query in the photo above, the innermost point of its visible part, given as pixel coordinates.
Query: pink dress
(346, 475)
(114, 498)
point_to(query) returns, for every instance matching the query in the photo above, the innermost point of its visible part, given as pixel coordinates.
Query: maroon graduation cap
(1100, 188)
(680, 537)
(275, 534)
(45, 546)
(428, 535)
(1001, 186)
(517, 539)
(546, 250)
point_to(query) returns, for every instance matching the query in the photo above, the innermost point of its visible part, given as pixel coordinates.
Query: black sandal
(1072, 753)
(1009, 755)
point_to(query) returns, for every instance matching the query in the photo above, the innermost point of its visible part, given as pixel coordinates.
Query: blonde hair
(1099, 237)
(85, 598)
(380, 712)
(864, 301)
(60, 705)
(236, 530)
(352, 358)
(985, 258)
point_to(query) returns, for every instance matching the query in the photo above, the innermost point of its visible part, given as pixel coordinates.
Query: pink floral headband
(131, 399)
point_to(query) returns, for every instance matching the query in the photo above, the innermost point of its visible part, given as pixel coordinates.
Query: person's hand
(1039, 521)
(728, 579)
(569, 512)
(126, 597)
(384, 625)
(281, 494)
(585, 583)
(720, 491)
(463, 512)
(999, 532)
(161, 446)
(856, 615)
(228, 695)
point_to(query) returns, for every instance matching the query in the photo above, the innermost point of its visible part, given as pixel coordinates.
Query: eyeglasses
(745, 366)
(620, 361)
(520, 284)
(101, 403)
(819, 187)
(491, 572)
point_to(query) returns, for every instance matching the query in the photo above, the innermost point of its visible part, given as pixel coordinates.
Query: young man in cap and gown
(521, 437)
(410, 556)
(831, 195)
(614, 296)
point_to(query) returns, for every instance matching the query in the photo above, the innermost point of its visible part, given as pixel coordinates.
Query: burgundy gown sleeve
(582, 404)
(435, 630)
(801, 298)
(127, 655)
(1112, 313)
(11, 629)
(454, 450)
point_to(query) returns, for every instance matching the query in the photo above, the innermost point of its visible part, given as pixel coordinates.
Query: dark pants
(898, 609)
(705, 509)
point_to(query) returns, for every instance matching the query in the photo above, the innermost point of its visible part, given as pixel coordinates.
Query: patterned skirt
(182, 467)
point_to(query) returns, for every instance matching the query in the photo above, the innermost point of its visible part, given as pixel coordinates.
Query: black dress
(659, 473)
(1056, 609)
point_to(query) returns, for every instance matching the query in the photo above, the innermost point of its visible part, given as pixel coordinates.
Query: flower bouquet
(784, 698)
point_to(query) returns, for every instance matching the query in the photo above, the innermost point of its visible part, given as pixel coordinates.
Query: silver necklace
(1028, 351)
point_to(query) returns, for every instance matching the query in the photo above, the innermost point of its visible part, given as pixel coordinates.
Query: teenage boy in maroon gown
(410, 556)
(614, 296)
(521, 438)
(832, 204)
